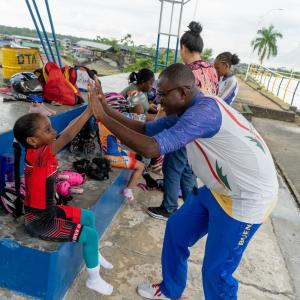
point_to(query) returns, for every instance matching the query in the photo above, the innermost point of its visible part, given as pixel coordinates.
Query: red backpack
(60, 84)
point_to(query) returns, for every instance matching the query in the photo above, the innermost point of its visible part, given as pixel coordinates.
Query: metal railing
(285, 87)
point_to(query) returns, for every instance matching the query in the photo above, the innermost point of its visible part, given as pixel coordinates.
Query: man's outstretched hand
(95, 97)
(100, 93)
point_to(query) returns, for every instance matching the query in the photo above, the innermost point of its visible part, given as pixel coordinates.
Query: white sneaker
(151, 291)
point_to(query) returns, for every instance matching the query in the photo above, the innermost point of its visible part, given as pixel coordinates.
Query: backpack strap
(66, 73)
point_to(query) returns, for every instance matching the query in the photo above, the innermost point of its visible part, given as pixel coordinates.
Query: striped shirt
(228, 88)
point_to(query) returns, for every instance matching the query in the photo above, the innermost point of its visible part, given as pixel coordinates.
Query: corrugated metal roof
(94, 45)
(4, 43)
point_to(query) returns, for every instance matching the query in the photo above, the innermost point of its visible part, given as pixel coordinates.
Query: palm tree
(266, 43)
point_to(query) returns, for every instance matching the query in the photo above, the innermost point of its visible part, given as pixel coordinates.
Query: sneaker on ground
(151, 291)
(158, 213)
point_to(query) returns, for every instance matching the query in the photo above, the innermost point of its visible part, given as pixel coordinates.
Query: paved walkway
(283, 139)
(249, 95)
(133, 244)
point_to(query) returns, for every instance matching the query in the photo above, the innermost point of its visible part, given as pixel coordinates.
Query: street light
(258, 23)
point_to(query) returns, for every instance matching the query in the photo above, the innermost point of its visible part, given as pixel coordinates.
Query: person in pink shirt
(191, 47)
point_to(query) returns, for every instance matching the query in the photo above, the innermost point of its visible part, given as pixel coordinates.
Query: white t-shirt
(228, 88)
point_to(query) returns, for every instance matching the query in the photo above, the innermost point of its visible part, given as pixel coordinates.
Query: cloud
(228, 25)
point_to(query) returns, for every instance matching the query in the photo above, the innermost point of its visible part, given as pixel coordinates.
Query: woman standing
(191, 47)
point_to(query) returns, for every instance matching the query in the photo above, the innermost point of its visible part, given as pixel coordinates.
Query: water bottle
(6, 169)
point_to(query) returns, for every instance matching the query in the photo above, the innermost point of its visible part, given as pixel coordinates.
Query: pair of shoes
(73, 178)
(102, 163)
(63, 188)
(151, 291)
(91, 169)
(158, 213)
(69, 182)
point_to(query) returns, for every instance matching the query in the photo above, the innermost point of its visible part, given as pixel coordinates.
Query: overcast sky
(227, 25)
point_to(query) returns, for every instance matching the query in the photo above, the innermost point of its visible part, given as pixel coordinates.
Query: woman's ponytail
(132, 77)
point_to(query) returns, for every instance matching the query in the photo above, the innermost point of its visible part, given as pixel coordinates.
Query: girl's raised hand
(91, 93)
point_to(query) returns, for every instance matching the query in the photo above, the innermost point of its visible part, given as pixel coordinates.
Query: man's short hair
(179, 74)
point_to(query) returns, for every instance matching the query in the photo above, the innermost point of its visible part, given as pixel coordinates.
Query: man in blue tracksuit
(230, 158)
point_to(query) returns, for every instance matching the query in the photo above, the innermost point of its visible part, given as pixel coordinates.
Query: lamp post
(258, 23)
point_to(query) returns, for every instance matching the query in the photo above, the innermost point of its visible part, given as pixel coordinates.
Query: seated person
(45, 219)
(139, 85)
(120, 158)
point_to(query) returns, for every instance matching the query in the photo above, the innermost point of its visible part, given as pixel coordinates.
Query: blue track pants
(227, 239)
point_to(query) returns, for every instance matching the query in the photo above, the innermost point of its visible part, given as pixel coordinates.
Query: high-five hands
(99, 91)
(96, 98)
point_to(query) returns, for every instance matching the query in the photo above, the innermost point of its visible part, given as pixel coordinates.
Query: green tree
(127, 41)
(266, 43)
(207, 54)
(113, 42)
(139, 64)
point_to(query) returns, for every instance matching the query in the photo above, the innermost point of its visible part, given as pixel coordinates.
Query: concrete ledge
(247, 113)
(288, 181)
(243, 109)
(263, 112)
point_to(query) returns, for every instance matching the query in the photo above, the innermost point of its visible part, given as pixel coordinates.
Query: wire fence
(285, 87)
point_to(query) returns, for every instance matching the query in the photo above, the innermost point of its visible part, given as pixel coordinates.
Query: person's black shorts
(60, 223)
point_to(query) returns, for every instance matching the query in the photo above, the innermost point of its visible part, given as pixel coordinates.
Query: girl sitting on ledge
(43, 217)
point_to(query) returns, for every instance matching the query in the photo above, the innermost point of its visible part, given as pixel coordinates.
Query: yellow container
(15, 60)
